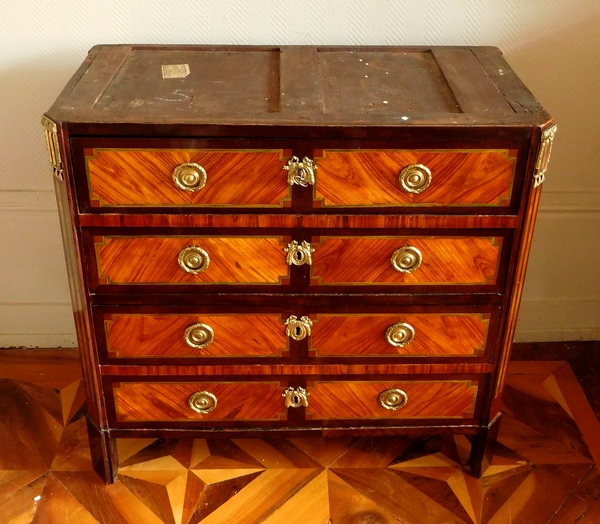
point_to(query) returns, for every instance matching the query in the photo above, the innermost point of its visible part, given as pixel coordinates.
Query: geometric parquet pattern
(543, 470)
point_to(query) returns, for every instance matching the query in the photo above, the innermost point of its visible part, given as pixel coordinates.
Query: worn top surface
(297, 85)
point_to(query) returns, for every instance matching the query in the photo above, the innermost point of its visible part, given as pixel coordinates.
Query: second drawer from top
(468, 261)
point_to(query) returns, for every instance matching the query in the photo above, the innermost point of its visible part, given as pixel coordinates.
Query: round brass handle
(400, 334)
(202, 402)
(190, 177)
(393, 399)
(199, 335)
(415, 178)
(406, 259)
(194, 259)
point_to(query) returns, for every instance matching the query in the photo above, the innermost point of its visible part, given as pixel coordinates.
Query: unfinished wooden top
(297, 85)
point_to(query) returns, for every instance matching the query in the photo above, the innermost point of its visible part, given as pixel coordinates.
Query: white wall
(554, 45)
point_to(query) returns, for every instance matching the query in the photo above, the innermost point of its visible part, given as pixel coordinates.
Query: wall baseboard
(558, 320)
(557, 335)
(37, 325)
(570, 202)
(30, 202)
(39, 315)
(39, 341)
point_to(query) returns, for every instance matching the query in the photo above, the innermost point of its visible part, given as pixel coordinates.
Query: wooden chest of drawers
(297, 240)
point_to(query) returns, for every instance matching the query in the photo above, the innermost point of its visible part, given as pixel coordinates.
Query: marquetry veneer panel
(360, 400)
(143, 177)
(459, 178)
(164, 401)
(147, 336)
(435, 335)
(446, 260)
(154, 260)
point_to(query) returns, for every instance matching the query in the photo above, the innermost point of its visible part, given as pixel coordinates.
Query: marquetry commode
(295, 240)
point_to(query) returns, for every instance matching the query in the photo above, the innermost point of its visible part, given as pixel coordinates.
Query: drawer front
(443, 178)
(186, 177)
(172, 401)
(174, 332)
(190, 260)
(406, 260)
(415, 399)
(401, 335)
(195, 336)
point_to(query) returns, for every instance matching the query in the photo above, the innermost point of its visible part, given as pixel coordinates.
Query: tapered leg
(482, 449)
(104, 453)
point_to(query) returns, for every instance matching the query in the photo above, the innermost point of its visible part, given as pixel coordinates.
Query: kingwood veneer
(311, 240)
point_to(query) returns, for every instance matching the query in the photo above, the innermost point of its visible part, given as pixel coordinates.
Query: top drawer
(130, 177)
(240, 173)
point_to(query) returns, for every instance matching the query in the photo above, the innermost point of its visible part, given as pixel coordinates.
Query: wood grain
(72, 238)
(139, 177)
(446, 260)
(146, 401)
(359, 400)
(297, 221)
(153, 260)
(148, 336)
(370, 178)
(514, 295)
(435, 335)
(248, 86)
(297, 369)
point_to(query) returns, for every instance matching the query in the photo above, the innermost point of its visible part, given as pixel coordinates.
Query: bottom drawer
(269, 402)
(171, 401)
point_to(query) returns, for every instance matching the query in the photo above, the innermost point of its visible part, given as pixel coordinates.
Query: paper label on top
(175, 70)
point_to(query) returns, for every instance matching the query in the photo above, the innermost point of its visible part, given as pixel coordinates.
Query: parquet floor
(544, 469)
